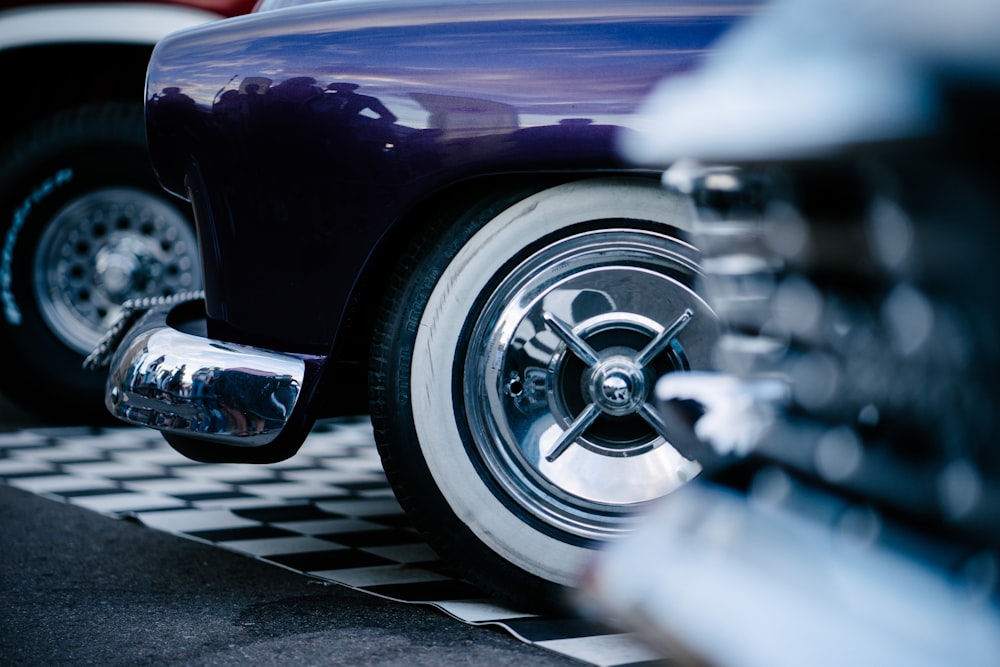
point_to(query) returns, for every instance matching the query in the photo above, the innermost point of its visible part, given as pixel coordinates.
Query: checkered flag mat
(328, 512)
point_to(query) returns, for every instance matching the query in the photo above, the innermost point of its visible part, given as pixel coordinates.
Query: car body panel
(313, 141)
(295, 187)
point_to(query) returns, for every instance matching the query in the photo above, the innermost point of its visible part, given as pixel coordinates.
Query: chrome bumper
(192, 386)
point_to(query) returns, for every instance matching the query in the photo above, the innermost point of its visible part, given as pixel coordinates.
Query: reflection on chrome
(197, 387)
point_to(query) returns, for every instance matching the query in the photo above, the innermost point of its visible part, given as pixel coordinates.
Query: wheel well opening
(355, 338)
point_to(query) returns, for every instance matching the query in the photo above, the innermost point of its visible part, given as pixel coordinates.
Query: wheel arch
(353, 343)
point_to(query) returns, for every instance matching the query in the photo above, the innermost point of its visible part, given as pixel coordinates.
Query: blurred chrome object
(182, 383)
(849, 508)
(785, 576)
(865, 285)
(808, 77)
(859, 365)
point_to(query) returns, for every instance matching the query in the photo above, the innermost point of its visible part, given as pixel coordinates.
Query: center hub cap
(121, 267)
(617, 389)
(618, 386)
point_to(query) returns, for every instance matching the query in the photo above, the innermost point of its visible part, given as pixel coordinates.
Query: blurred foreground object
(811, 76)
(786, 576)
(848, 509)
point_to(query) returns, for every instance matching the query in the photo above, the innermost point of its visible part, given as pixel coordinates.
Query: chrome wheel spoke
(652, 417)
(578, 345)
(660, 343)
(575, 430)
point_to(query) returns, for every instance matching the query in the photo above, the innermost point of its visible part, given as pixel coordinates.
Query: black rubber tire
(57, 160)
(394, 351)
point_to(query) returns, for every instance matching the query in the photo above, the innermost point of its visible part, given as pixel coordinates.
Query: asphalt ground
(81, 588)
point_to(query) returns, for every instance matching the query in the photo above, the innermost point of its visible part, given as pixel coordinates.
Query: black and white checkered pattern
(328, 512)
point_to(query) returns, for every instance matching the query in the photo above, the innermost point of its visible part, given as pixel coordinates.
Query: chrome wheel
(104, 248)
(512, 371)
(561, 365)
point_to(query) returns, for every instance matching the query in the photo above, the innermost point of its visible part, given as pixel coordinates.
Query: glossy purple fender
(312, 140)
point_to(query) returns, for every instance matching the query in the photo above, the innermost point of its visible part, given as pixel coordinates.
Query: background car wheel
(85, 227)
(512, 374)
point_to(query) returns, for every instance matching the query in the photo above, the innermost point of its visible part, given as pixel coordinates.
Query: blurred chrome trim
(197, 387)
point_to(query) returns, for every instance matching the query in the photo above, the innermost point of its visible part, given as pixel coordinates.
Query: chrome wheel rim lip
(106, 247)
(616, 289)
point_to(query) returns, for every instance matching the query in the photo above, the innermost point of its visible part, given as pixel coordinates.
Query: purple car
(417, 210)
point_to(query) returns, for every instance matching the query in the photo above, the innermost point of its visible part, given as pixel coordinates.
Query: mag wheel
(513, 374)
(86, 227)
